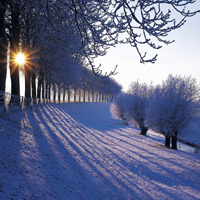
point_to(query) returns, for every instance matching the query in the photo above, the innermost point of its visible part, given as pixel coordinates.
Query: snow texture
(78, 151)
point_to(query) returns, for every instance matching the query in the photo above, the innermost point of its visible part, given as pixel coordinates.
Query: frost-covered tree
(103, 24)
(107, 85)
(172, 107)
(10, 28)
(136, 105)
(118, 108)
(59, 49)
(98, 85)
(85, 82)
(149, 22)
(114, 88)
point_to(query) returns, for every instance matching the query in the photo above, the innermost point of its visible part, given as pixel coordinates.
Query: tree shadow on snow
(63, 156)
(119, 166)
(11, 147)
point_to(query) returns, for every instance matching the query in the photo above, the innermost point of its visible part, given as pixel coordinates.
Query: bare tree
(106, 23)
(149, 22)
(118, 108)
(174, 104)
(136, 104)
(102, 24)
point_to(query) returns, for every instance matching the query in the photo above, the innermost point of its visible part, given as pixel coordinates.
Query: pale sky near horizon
(181, 57)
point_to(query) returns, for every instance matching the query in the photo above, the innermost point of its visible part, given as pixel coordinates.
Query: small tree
(174, 104)
(136, 104)
(118, 107)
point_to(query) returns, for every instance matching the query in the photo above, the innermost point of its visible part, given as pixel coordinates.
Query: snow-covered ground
(78, 151)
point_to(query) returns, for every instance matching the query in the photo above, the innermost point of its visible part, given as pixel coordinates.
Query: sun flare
(20, 58)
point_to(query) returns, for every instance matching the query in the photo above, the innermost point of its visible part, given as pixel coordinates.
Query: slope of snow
(78, 151)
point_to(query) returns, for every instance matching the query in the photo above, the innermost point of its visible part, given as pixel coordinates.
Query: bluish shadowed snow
(78, 151)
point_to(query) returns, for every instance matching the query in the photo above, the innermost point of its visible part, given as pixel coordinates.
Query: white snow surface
(78, 151)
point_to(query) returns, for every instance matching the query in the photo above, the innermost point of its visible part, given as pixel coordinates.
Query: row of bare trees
(78, 85)
(59, 36)
(84, 87)
(168, 108)
(53, 49)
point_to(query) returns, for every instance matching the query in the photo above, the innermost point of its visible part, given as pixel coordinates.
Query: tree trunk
(34, 88)
(3, 64)
(64, 91)
(27, 71)
(167, 141)
(88, 96)
(124, 120)
(46, 94)
(3, 50)
(49, 93)
(59, 89)
(142, 127)
(92, 96)
(3, 61)
(143, 130)
(14, 67)
(68, 95)
(39, 89)
(112, 98)
(39, 92)
(43, 92)
(75, 95)
(54, 93)
(79, 95)
(84, 95)
(174, 142)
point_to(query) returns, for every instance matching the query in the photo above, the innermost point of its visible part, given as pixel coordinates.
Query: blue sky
(181, 57)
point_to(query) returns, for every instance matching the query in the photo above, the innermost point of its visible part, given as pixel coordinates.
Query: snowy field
(78, 151)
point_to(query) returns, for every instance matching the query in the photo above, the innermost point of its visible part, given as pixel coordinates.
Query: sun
(20, 58)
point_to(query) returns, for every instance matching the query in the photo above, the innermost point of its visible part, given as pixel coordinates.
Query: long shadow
(155, 151)
(11, 169)
(62, 158)
(99, 164)
(171, 156)
(86, 158)
(82, 130)
(76, 155)
(150, 171)
(146, 145)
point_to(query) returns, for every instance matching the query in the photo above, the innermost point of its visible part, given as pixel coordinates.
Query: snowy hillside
(78, 151)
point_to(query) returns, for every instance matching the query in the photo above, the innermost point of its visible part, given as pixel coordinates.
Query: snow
(78, 151)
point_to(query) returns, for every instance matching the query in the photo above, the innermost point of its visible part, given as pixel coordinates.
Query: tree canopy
(99, 25)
